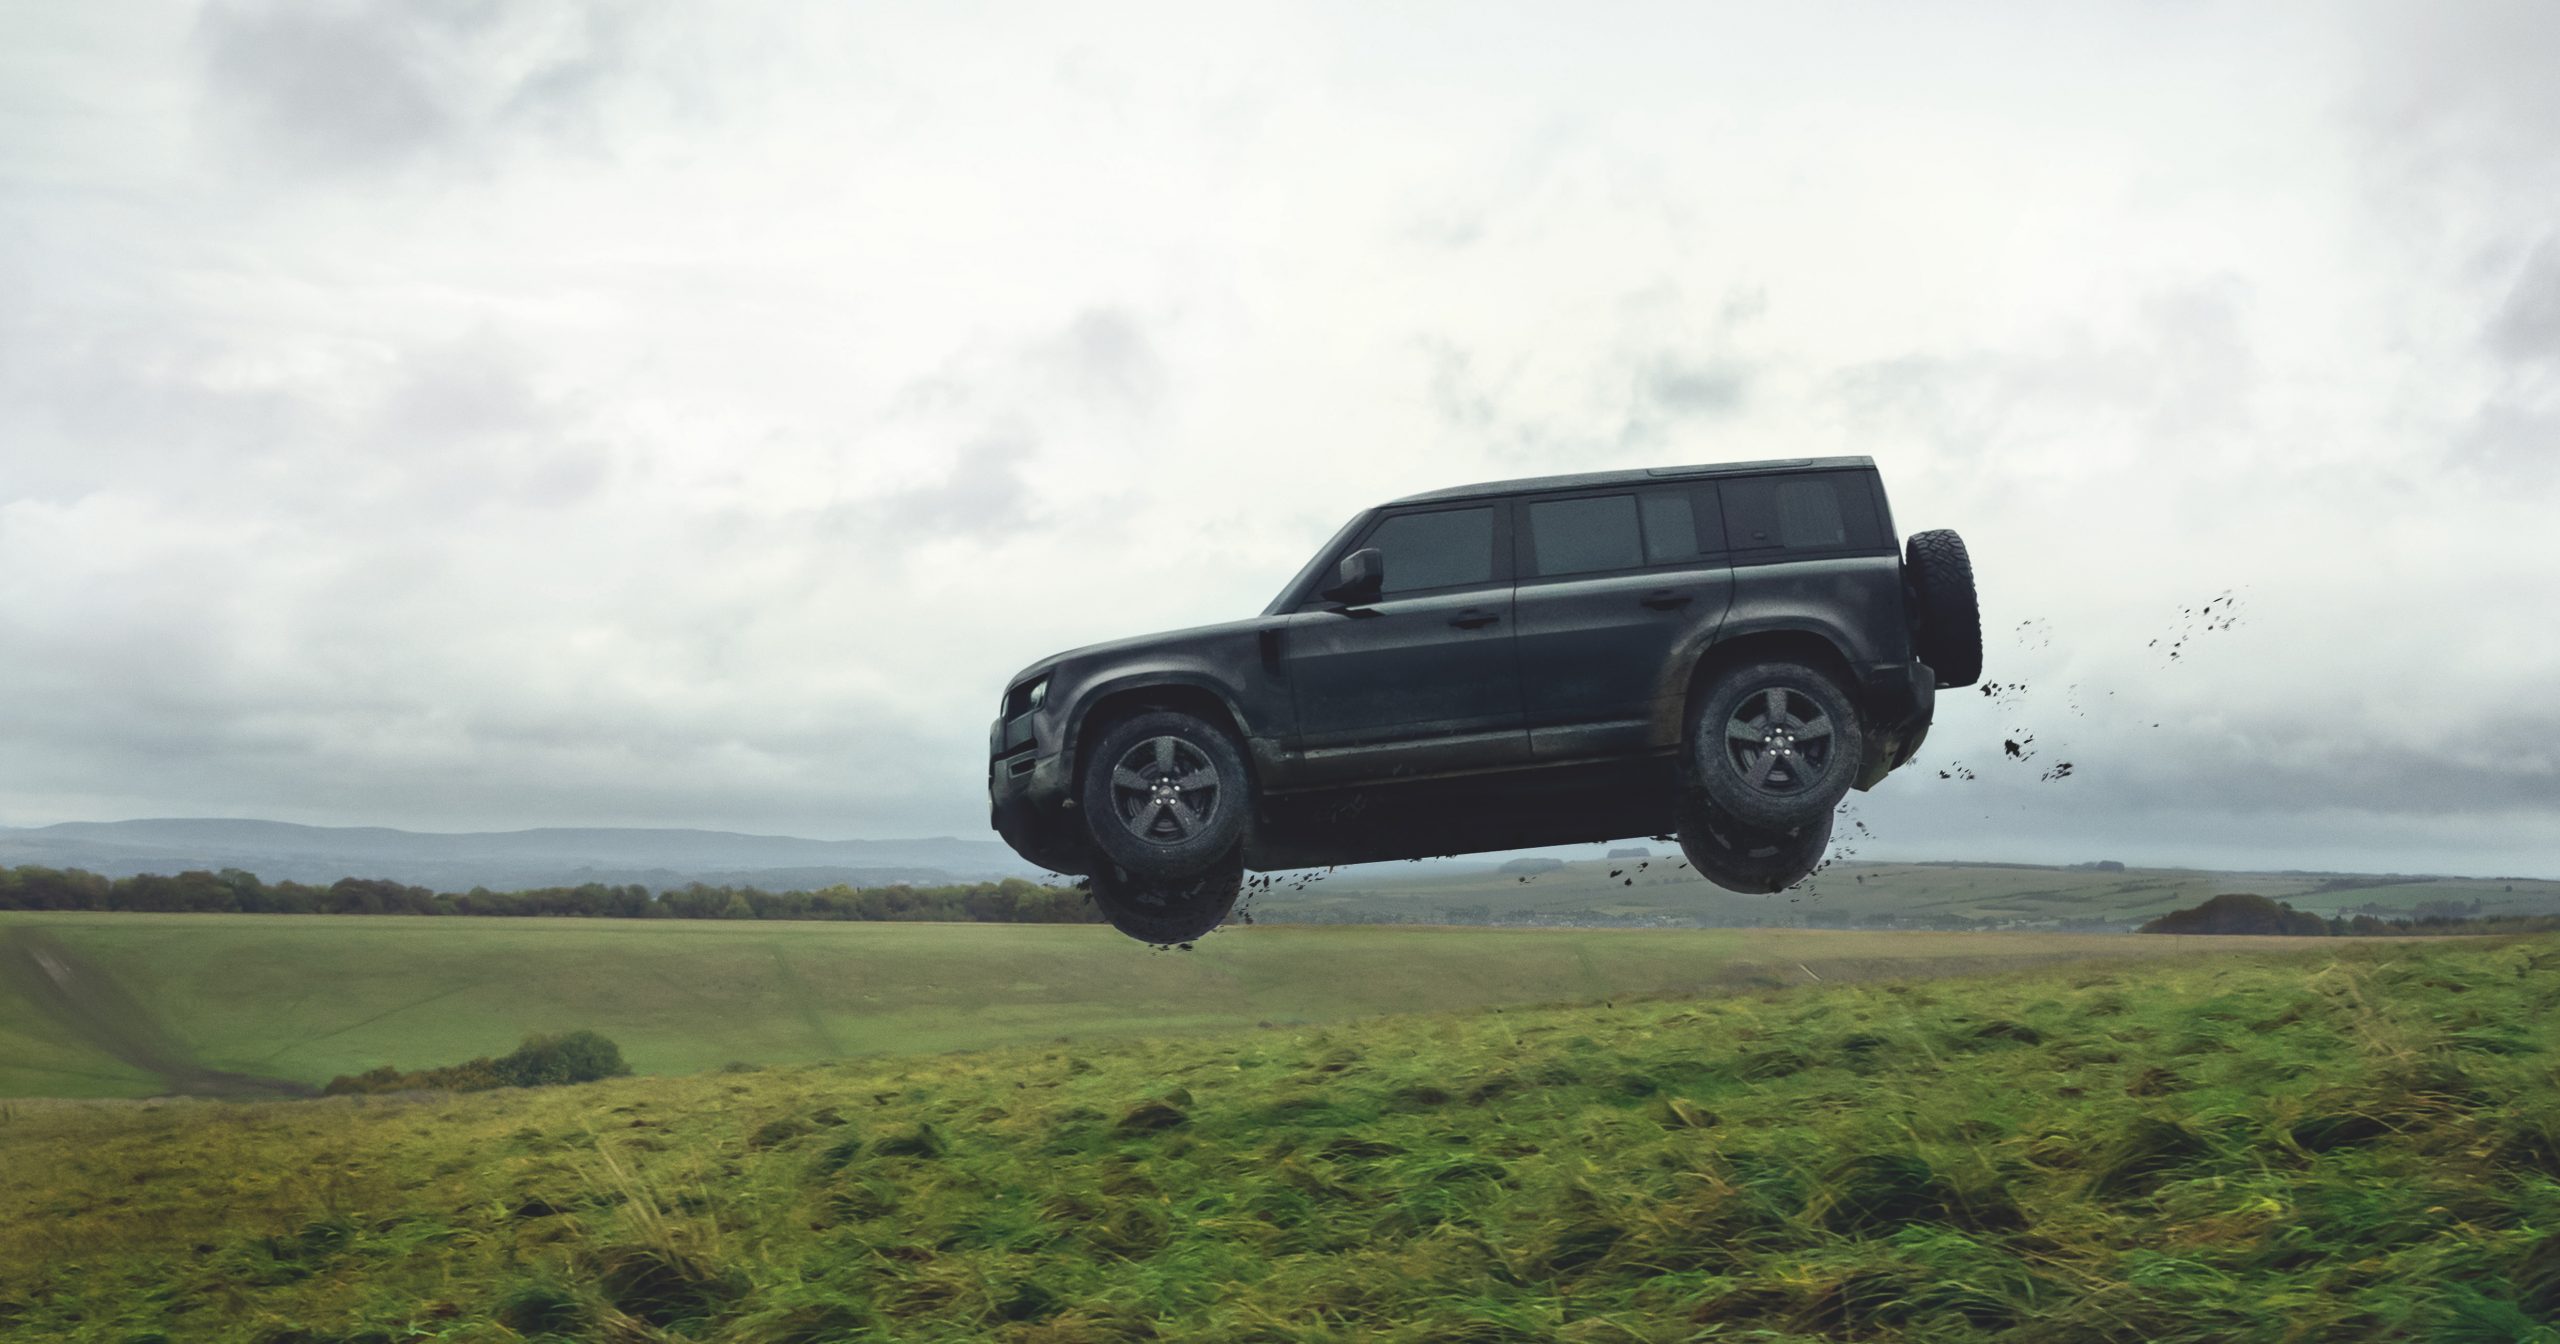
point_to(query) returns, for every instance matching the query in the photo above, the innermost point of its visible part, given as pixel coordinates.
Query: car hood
(1118, 648)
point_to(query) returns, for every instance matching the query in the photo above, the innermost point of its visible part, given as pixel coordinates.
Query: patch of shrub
(572, 1057)
(2240, 912)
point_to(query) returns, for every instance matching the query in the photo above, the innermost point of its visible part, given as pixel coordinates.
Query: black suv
(1718, 651)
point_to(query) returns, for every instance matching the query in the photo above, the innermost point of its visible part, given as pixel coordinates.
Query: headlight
(1026, 697)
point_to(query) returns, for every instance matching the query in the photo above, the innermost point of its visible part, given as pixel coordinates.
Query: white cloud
(444, 418)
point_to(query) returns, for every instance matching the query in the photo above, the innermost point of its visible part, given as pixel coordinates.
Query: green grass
(2345, 1141)
(305, 998)
(1854, 891)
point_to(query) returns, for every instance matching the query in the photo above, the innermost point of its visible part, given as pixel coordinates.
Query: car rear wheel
(1167, 910)
(1164, 794)
(1774, 746)
(1732, 859)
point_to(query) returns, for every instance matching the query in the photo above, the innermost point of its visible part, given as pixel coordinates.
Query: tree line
(233, 891)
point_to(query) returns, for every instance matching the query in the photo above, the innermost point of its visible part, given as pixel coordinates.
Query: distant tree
(2239, 912)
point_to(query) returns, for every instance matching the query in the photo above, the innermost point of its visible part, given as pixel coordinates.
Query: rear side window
(1435, 550)
(1809, 516)
(1677, 528)
(1821, 512)
(1580, 536)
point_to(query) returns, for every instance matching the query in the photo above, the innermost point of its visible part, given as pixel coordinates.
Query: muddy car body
(1500, 666)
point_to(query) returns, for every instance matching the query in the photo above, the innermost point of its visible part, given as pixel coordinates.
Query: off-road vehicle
(1719, 651)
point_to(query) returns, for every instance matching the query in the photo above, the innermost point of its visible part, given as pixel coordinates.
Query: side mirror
(1360, 578)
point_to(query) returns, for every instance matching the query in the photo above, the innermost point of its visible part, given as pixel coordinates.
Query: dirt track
(88, 1003)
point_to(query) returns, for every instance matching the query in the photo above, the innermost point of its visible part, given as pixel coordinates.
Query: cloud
(1663, 363)
(333, 88)
(2459, 95)
(2526, 328)
(488, 414)
(369, 86)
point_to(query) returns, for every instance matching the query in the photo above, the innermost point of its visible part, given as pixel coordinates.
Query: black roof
(1595, 479)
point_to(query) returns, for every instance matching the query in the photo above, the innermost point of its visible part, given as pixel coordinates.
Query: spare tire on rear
(1946, 621)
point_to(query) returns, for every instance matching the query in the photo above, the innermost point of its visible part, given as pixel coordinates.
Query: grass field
(1855, 892)
(2347, 1140)
(215, 1003)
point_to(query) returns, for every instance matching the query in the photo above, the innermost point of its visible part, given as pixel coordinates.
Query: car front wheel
(1164, 794)
(1167, 911)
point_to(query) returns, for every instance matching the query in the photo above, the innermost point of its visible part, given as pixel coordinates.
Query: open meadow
(137, 1004)
(1658, 889)
(2332, 1139)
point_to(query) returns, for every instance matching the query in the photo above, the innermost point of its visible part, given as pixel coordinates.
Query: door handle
(1663, 599)
(1472, 618)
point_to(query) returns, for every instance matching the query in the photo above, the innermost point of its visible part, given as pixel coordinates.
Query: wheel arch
(1804, 644)
(1114, 701)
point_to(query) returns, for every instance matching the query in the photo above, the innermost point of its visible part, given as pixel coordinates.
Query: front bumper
(1030, 805)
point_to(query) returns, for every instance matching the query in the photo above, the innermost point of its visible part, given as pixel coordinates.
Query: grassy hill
(136, 1005)
(1856, 893)
(2347, 1140)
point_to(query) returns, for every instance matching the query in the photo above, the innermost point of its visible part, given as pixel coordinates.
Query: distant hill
(501, 860)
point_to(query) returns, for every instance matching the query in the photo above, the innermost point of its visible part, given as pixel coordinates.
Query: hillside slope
(457, 861)
(2360, 1141)
(196, 1003)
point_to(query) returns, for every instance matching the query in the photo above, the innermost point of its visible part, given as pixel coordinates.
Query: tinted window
(1577, 536)
(1670, 527)
(1827, 512)
(1809, 515)
(1435, 550)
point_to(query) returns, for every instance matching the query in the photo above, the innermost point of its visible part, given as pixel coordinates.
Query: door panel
(1407, 686)
(1592, 652)
(1613, 586)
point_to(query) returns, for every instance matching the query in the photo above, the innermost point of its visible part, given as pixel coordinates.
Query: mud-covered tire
(1164, 794)
(1773, 746)
(1946, 617)
(1168, 911)
(1732, 859)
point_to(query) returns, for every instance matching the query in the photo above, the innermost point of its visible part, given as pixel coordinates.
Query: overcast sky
(460, 416)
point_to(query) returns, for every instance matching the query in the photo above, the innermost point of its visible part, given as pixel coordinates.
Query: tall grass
(2361, 1142)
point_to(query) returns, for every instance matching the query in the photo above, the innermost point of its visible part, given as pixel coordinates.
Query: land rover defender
(1717, 651)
